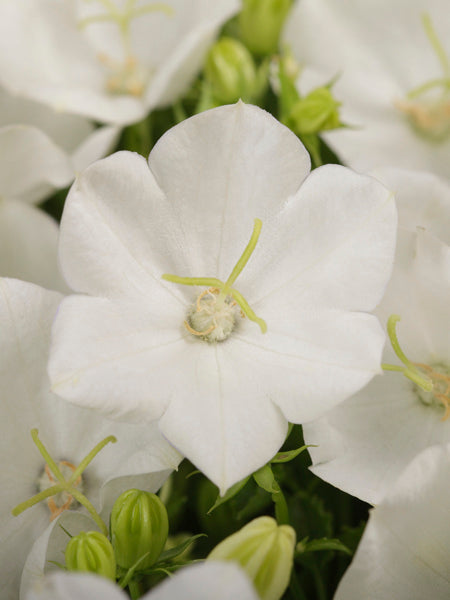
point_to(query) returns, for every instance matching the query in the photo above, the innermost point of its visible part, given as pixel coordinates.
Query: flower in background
(219, 580)
(140, 458)
(392, 63)
(40, 152)
(365, 443)
(221, 338)
(404, 551)
(111, 60)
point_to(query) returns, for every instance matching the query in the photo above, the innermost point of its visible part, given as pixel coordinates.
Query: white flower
(40, 151)
(146, 347)
(404, 550)
(366, 442)
(392, 62)
(112, 60)
(140, 457)
(218, 580)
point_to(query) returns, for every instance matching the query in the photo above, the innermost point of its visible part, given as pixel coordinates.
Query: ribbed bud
(265, 550)
(230, 71)
(92, 552)
(318, 111)
(139, 526)
(260, 24)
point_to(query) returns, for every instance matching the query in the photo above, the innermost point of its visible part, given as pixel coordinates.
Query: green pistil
(123, 18)
(443, 82)
(225, 288)
(409, 370)
(65, 485)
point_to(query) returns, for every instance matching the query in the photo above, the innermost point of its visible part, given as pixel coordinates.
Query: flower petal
(404, 550)
(28, 245)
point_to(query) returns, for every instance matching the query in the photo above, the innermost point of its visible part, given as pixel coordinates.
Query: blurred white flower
(144, 346)
(140, 458)
(40, 152)
(392, 62)
(111, 60)
(218, 580)
(404, 551)
(366, 442)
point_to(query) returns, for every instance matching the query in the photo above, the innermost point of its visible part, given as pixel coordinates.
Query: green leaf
(234, 489)
(283, 457)
(264, 477)
(177, 550)
(307, 545)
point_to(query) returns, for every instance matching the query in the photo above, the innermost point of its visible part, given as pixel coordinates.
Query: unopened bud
(260, 23)
(139, 528)
(265, 550)
(230, 71)
(92, 552)
(318, 111)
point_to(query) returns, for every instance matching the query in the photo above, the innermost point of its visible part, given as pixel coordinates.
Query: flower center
(431, 382)
(64, 500)
(60, 484)
(427, 107)
(213, 316)
(439, 374)
(127, 76)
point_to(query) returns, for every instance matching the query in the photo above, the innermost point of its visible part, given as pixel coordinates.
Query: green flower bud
(230, 71)
(265, 550)
(318, 111)
(92, 552)
(139, 526)
(260, 23)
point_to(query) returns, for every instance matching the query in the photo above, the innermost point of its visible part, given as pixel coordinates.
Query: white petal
(221, 416)
(97, 145)
(364, 444)
(225, 581)
(423, 200)
(386, 54)
(310, 361)
(51, 546)
(74, 586)
(32, 165)
(404, 551)
(340, 229)
(68, 432)
(28, 245)
(218, 189)
(217, 579)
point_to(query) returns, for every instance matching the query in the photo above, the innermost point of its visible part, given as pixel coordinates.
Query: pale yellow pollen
(441, 387)
(431, 118)
(208, 306)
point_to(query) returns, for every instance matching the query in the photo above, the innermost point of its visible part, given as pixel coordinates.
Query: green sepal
(307, 545)
(232, 491)
(283, 457)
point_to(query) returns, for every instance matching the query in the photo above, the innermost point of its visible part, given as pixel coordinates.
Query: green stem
(135, 589)
(320, 587)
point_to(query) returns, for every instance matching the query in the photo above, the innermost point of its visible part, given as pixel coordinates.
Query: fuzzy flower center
(64, 500)
(127, 76)
(431, 382)
(427, 107)
(213, 316)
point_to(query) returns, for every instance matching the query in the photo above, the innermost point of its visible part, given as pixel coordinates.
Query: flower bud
(92, 552)
(230, 71)
(318, 111)
(265, 550)
(139, 526)
(260, 23)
